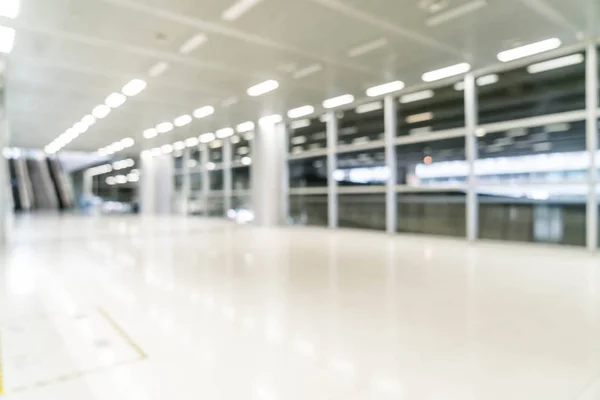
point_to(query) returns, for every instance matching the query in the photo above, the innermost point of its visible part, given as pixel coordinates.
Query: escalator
(44, 193)
(14, 185)
(59, 183)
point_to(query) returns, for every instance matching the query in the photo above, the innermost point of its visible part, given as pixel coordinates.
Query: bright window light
(245, 127)
(246, 160)
(446, 72)
(224, 133)
(192, 43)
(164, 127)
(300, 123)
(210, 166)
(127, 142)
(158, 69)
(101, 111)
(150, 133)
(89, 120)
(179, 146)
(422, 117)
(481, 81)
(7, 39)
(115, 100)
(338, 101)
(237, 9)
(134, 87)
(561, 62)
(166, 149)
(299, 112)
(207, 137)
(529, 50)
(182, 120)
(416, 96)
(386, 88)
(9, 8)
(262, 88)
(369, 107)
(191, 142)
(271, 119)
(203, 112)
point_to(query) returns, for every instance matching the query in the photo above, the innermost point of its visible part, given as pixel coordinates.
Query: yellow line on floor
(122, 333)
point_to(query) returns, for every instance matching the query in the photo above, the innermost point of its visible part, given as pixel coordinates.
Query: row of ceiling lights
(375, 91)
(8, 9)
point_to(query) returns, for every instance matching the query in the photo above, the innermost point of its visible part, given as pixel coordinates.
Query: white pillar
(332, 197)
(156, 185)
(471, 111)
(227, 174)
(185, 181)
(268, 176)
(205, 177)
(391, 202)
(591, 89)
(5, 190)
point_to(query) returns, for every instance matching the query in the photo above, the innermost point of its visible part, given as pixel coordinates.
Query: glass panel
(216, 206)
(215, 151)
(309, 210)
(196, 181)
(361, 125)
(178, 182)
(366, 211)
(308, 172)
(178, 160)
(440, 213)
(241, 178)
(241, 146)
(306, 135)
(216, 179)
(366, 167)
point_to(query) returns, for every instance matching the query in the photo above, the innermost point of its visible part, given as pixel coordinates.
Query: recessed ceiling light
(262, 88)
(203, 112)
(166, 149)
(101, 111)
(224, 133)
(299, 112)
(338, 101)
(367, 47)
(80, 127)
(117, 146)
(182, 120)
(238, 9)
(134, 87)
(192, 43)
(368, 107)
(246, 160)
(207, 137)
(158, 69)
(446, 72)
(245, 127)
(115, 100)
(385, 88)
(7, 39)
(89, 120)
(191, 142)
(127, 142)
(561, 62)
(422, 117)
(179, 146)
(164, 127)
(416, 96)
(529, 50)
(150, 133)
(311, 69)
(9, 8)
(271, 119)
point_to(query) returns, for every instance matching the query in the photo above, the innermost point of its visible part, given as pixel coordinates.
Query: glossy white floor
(174, 308)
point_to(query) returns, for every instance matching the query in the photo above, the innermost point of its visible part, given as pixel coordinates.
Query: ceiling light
(446, 72)
(9, 8)
(529, 50)
(134, 87)
(300, 123)
(7, 39)
(115, 100)
(238, 9)
(561, 62)
(386, 88)
(270, 119)
(127, 142)
(216, 144)
(207, 137)
(117, 146)
(101, 111)
(191, 142)
(150, 133)
(368, 107)
(300, 111)
(245, 127)
(133, 177)
(158, 69)
(210, 166)
(166, 149)
(338, 101)
(203, 112)
(182, 120)
(229, 101)
(224, 133)
(455, 12)
(179, 146)
(235, 139)
(110, 180)
(89, 120)
(164, 127)
(80, 127)
(416, 96)
(422, 117)
(192, 43)
(145, 154)
(121, 179)
(246, 160)
(481, 81)
(304, 72)
(262, 88)
(367, 47)
(156, 151)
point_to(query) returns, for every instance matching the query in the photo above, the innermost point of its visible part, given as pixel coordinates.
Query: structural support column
(332, 196)
(591, 89)
(227, 174)
(156, 185)
(185, 181)
(5, 191)
(471, 111)
(268, 176)
(205, 177)
(391, 202)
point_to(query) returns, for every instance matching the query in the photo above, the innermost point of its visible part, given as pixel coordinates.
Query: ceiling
(70, 54)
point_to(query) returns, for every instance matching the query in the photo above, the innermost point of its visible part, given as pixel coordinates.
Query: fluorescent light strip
(304, 72)
(529, 50)
(385, 88)
(301, 111)
(7, 39)
(127, 142)
(166, 148)
(207, 137)
(367, 47)
(446, 72)
(115, 100)
(203, 112)
(368, 107)
(262, 88)
(164, 127)
(88, 120)
(237, 9)
(191, 142)
(271, 119)
(561, 62)
(416, 96)
(9, 8)
(481, 81)
(101, 111)
(134, 87)
(338, 101)
(192, 43)
(182, 120)
(245, 127)
(224, 133)
(178, 146)
(150, 133)
(456, 12)
(158, 69)
(422, 117)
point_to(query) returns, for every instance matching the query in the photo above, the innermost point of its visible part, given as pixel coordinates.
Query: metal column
(185, 181)
(471, 111)
(205, 176)
(227, 174)
(332, 196)
(391, 203)
(591, 90)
